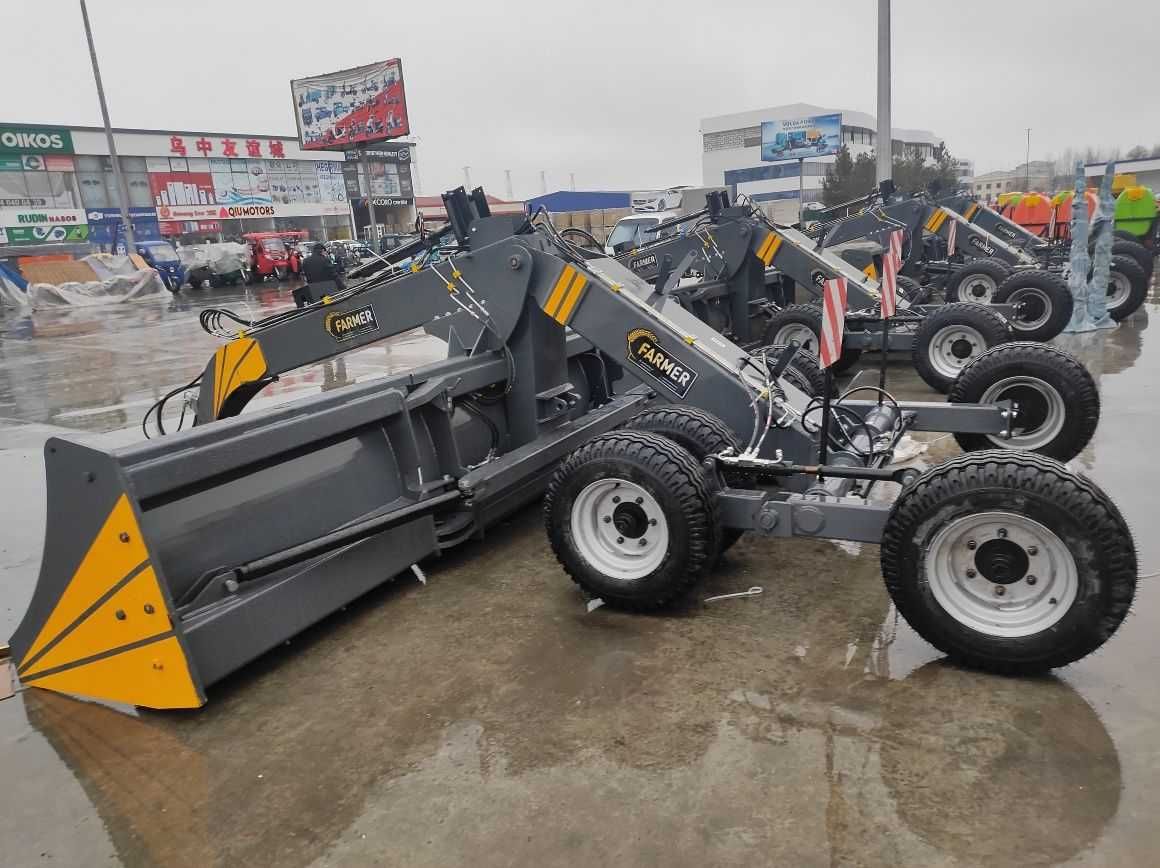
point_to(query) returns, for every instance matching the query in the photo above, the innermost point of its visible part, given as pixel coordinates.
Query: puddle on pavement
(488, 718)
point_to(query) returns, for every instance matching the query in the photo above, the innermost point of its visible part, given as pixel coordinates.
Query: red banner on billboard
(179, 189)
(357, 106)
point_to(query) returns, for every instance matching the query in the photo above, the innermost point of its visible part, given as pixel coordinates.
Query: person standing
(321, 278)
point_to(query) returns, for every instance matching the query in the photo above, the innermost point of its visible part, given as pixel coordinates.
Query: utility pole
(543, 183)
(572, 181)
(122, 190)
(885, 148)
(1027, 165)
(467, 178)
(507, 173)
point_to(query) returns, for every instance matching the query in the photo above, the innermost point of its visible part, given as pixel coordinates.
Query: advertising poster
(241, 182)
(47, 234)
(181, 188)
(801, 138)
(352, 107)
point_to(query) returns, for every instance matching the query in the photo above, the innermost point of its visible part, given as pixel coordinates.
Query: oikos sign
(35, 140)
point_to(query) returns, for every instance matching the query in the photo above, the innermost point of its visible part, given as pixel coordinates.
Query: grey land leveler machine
(171, 563)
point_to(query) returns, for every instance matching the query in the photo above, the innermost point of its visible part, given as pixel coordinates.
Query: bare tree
(1137, 153)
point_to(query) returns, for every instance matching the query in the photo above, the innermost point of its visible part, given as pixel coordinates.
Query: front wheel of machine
(631, 519)
(953, 336)
(1008, 562)
(1127, 287)
(804, 371)
(1045, 303)
(802, 324)
(1058, 400)
(913, 291)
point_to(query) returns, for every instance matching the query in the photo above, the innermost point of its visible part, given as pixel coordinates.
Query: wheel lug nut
(620, 539)
(640, 500)
(1001, 533)
(971, 544)
(1031, 580)
(653, 522)
(971, 574)
(1053, 601)
(1000, 590)
(616, 500)
(1033, 550)
(607, 519)
(643, 542)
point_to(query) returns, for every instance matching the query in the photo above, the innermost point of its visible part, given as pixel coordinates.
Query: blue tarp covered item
(579, 200)
(13, 275)
(1090, 311)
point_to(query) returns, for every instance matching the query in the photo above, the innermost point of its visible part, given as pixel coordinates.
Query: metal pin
(752, 592)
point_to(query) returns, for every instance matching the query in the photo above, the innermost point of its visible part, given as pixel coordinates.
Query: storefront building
(57, 186)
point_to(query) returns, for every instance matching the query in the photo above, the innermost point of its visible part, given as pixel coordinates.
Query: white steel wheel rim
(802, 335)
(1039, 295)
(977, 287)
(619, 528)
(1053, 412)
(1026, 604)
(946, 344)
(1119, 288)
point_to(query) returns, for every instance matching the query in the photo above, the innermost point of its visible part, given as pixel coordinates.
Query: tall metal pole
(467, 178)
(801, 187)
(507, 173)
(885, 149)
(122, 189)
(543, 183)
(572, 181)
(366, 167)
(1027, 165)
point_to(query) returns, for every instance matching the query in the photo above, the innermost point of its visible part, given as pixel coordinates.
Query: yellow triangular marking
(153, 675)
(107, 561)
(103, 631)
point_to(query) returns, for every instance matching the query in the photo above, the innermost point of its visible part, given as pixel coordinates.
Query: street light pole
(1027, 164)
(122, 189)
(885, 148)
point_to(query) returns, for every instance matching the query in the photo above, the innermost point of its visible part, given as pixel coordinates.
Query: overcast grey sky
(612, 91)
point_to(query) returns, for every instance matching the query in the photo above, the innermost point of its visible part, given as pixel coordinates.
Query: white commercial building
(731, 154)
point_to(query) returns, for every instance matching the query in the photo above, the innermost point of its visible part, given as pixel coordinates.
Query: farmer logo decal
(677, 376)
(347, 326)
(980, 244)
(649, 261)
(1006, 230)
(818, 278)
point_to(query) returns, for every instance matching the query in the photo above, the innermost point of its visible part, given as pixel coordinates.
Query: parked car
(270, 256)
(163, 258)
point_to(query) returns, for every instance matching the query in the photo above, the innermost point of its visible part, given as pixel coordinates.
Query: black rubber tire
(1037, 287)
(1125, 235)
(281, 273)
(809, 315)
(1056, 370)
(913, 291)
(672, 476)
(804, 371)
(1069, 505)
(1138, 281)
(696, 431)
(194, 283)
(990, 326)
(1138, 252)
(958, 283)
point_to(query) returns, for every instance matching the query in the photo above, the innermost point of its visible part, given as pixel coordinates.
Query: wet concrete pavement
(487, 719)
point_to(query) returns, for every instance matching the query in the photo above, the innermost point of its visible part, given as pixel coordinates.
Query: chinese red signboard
(224, 146)
(353, 107)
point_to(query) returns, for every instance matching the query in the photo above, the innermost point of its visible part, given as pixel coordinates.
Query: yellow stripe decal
(771, 249)
(936, 220)
(573, 298)
(765, 245)
(557, 294)
(972, 209)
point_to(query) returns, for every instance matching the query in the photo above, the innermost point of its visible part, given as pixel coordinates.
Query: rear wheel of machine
(1137, 251)
(802, 324)
(1045, 300)
(1009, 562)
(913, 291)
(951, 338)
(1058, 401)
(631, 519)
(1127, 287)
(804, 371)
(699, 433)
(977, 281)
